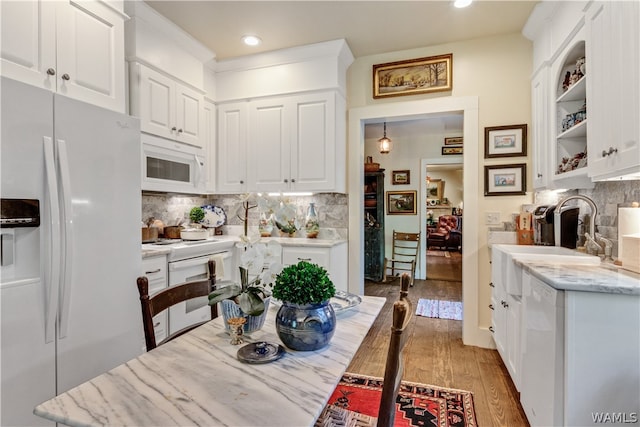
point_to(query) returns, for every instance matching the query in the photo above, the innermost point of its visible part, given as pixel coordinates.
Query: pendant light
(384, 143)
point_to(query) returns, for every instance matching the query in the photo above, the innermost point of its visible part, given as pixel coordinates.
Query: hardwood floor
(435, 355)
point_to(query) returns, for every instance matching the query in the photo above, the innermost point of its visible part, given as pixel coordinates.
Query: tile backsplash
(608, 197)
(332, 208)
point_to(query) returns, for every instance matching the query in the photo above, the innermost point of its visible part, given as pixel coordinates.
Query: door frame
(472, 334)
(423, 206)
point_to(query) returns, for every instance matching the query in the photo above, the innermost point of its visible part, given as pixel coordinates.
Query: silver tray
(340, 302)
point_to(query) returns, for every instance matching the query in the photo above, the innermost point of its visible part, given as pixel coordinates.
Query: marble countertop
(303, 241)
(197, 380)
(604, 278)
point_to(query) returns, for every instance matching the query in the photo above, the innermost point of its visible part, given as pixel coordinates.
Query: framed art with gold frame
(413, 76)
(401, 202)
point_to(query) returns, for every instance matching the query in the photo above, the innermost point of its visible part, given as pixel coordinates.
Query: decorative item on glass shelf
(312, 223)
(579, 160)
(570, 120)
(572, 77)
(306, 320)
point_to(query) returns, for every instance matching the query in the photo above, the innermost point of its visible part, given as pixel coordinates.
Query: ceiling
(369, 27)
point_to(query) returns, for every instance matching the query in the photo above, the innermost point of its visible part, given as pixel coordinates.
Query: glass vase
(265, 225)
(312, 224)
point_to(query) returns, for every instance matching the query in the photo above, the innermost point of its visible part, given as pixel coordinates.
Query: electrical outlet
(492, 218)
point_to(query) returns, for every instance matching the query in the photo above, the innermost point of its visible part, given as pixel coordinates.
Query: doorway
(472, 334)
(442, 185)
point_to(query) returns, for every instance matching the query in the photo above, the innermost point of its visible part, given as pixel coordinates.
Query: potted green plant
(250, 298)
(306, 320)
(196, 215)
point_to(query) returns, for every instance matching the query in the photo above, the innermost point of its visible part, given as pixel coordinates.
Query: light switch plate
(492, 218)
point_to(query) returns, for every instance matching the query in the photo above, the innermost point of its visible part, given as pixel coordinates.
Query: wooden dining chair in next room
(162, 300)
(337, 414)
(404, 255)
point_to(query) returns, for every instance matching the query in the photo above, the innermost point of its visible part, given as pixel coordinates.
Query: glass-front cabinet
(374, 225)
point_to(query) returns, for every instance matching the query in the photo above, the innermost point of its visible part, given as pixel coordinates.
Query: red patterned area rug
(416, 404)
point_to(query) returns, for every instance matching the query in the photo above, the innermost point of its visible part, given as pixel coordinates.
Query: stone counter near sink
(148, 252)
(604, 278)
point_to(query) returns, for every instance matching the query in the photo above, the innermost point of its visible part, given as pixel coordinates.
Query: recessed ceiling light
(462, 3)
(251, 40)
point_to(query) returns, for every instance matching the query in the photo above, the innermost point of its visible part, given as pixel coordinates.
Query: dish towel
(219, 259)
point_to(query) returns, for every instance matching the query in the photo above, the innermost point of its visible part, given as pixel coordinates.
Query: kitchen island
(197, 380)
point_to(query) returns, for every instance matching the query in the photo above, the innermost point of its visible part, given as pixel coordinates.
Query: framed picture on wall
(505, 180)
(435, 189)
(453, 140)
(505, 141)
(401, 202)
(413, 76)
(401, 177)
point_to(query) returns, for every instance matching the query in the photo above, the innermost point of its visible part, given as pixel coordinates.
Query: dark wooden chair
(394, 368)
(162, 300)
(404, 254)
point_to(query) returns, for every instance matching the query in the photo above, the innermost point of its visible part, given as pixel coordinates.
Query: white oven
(197, 309)
(172, 167)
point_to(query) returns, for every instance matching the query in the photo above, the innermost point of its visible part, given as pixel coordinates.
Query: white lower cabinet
(506, 312)
(155, 268)
(333, 259)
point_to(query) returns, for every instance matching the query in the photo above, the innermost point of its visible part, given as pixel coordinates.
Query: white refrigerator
(69, 307)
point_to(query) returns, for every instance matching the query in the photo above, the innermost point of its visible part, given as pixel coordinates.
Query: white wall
(496, 70)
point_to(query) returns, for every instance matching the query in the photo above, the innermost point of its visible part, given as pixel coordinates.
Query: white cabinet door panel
(28, 41)
(188, 116)
(269, 133)
(90, 40)
(156, 102)
(232, 147)
(313, 148)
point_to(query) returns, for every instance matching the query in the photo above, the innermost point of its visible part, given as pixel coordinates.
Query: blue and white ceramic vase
(254, 323)
(306, 327)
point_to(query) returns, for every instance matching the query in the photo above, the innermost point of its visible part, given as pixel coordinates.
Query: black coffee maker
(544, 226)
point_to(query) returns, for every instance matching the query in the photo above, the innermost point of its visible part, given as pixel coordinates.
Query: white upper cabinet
(540, 127)
(294, 144)
(166, 107)
(209, 140)
(232, 147)
(613, 89)
(73, 48)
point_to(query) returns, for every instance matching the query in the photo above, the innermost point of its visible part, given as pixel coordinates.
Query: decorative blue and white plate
(214, 216)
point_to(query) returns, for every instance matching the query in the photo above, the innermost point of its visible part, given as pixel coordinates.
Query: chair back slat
(168, 297)
(394, 368)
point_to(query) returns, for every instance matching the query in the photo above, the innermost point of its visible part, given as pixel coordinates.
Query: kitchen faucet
(592, 218)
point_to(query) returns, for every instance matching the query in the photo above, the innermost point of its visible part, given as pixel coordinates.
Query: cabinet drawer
(156, 271)
(313, 255)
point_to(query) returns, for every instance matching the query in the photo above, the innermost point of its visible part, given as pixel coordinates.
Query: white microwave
(172, 167)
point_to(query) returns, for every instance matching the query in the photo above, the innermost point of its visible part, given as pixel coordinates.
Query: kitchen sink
(553, 254)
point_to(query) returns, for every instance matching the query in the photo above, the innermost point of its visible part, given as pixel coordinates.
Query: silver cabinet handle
(491, 307)
(610, 152)
(539, 175)
(491, 329)
(179, 130)
(152, 271)
(503, 303)
(492, 285)
(51, 72)
(241, 182)
(65, 76)
(304, 259)
(174, 129)
(293, 180)
(286, 180)
(155, 325)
